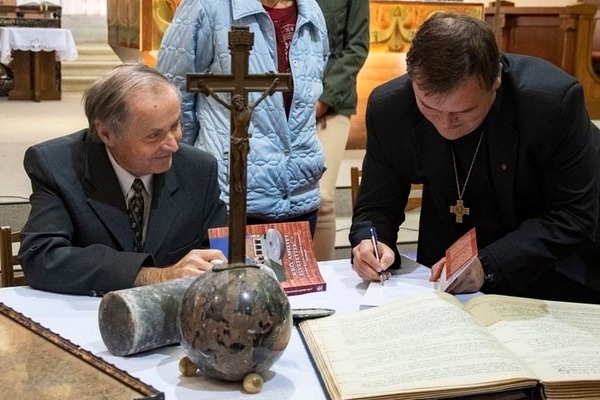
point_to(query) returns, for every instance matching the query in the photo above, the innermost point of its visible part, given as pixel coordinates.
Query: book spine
(296, 290)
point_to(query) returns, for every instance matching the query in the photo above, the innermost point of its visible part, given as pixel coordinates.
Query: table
(292, 376)
(35, 52)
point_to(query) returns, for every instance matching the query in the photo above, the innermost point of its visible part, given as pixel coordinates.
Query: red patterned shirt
(284, 20)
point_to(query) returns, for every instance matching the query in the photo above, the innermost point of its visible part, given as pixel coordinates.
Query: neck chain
(459, 209)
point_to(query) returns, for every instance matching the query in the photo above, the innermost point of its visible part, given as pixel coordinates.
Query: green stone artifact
(234, 320)
(141, 318)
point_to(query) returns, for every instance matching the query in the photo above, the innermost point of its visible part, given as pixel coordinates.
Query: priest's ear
(498, 80)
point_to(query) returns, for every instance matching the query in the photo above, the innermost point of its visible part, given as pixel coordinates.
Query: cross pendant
(459, 210)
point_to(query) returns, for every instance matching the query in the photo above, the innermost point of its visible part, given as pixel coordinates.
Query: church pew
(561, 35)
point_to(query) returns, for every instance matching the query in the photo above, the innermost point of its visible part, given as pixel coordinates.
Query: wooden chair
(414, 198)
(11, 276)
(355, 174)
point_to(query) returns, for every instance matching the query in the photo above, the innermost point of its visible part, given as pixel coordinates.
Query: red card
(458, 258)
(461, 252)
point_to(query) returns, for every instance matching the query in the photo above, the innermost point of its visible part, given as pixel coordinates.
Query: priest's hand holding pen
(371, 258)
(375, 243)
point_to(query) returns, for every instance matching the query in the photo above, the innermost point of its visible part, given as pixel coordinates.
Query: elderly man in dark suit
(122, 203)
(506, 138)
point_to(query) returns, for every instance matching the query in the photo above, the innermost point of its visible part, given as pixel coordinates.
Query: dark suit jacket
(543, 161)
(78, 237)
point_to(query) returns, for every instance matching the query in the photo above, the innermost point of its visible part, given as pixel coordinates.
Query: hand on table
(470, 281)
(196, 262)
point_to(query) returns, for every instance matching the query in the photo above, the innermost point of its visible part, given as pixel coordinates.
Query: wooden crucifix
(239, 83)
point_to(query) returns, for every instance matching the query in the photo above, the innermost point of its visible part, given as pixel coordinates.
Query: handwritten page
(416, 345)
(558, 341)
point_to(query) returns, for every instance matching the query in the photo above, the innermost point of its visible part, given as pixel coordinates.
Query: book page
(394, 289)
(425, 343)
(558, 341)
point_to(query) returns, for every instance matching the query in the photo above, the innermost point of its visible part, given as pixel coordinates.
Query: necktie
(136, 213)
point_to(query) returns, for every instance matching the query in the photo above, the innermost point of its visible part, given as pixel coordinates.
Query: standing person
(348, 32)
(507, 137)
(285, 161)
(110, 207)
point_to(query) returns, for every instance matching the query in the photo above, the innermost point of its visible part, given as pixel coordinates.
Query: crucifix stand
(239, 83)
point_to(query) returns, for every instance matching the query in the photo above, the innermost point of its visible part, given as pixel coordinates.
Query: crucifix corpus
(239, 83)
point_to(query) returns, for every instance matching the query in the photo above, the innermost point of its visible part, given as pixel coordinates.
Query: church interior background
(120, 22)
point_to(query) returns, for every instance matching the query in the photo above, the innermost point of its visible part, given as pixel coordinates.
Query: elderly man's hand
(194, 263)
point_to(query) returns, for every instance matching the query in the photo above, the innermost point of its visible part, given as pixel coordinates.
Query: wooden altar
(31, 17)
(33, 54)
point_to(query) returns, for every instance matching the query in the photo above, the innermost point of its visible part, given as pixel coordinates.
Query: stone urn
(234, 320)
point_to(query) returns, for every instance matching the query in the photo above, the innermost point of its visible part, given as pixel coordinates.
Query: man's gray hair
(106, 99)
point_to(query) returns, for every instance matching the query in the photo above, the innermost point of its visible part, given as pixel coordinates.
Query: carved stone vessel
(234, 320)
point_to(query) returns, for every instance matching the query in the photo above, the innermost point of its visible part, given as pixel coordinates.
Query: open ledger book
(432, 346)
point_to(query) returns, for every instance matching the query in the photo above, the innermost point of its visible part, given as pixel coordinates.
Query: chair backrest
(355, 174)
(12, 275)
(414, 198)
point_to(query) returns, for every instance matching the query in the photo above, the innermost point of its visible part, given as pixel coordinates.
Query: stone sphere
(234, 320)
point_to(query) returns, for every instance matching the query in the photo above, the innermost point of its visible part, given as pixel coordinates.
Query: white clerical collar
(126, 178)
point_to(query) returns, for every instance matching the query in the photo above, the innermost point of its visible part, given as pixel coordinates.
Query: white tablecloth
(291, 377)
(37, 39)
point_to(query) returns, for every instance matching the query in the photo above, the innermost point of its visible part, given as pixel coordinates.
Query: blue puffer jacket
(286, 160)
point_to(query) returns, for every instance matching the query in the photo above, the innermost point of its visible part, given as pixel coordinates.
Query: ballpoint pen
(374, 242)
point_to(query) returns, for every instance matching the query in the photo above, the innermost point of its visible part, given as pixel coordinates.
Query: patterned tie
(136, 213)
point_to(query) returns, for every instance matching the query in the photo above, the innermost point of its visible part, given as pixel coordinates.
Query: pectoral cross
(459, 210)
(239, 83)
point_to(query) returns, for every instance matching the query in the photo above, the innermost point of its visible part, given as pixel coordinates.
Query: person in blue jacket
(285, 159)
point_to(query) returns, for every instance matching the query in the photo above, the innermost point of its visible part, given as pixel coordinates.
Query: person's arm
(569, 182)
(50, 255)
(383, 189)
(268, 92)
(186, 47)
(217, 97)
(343, 65)
(196, 262)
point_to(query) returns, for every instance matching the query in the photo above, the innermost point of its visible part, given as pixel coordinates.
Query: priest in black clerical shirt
(121, 203)
(502, 143)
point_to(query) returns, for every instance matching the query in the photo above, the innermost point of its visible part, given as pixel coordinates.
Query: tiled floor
(23, 123)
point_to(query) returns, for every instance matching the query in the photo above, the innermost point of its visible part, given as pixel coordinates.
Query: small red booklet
(458, 258)
(286, 248)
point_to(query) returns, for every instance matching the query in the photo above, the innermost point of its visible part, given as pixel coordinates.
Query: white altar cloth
(291, 377)
(37, 39)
